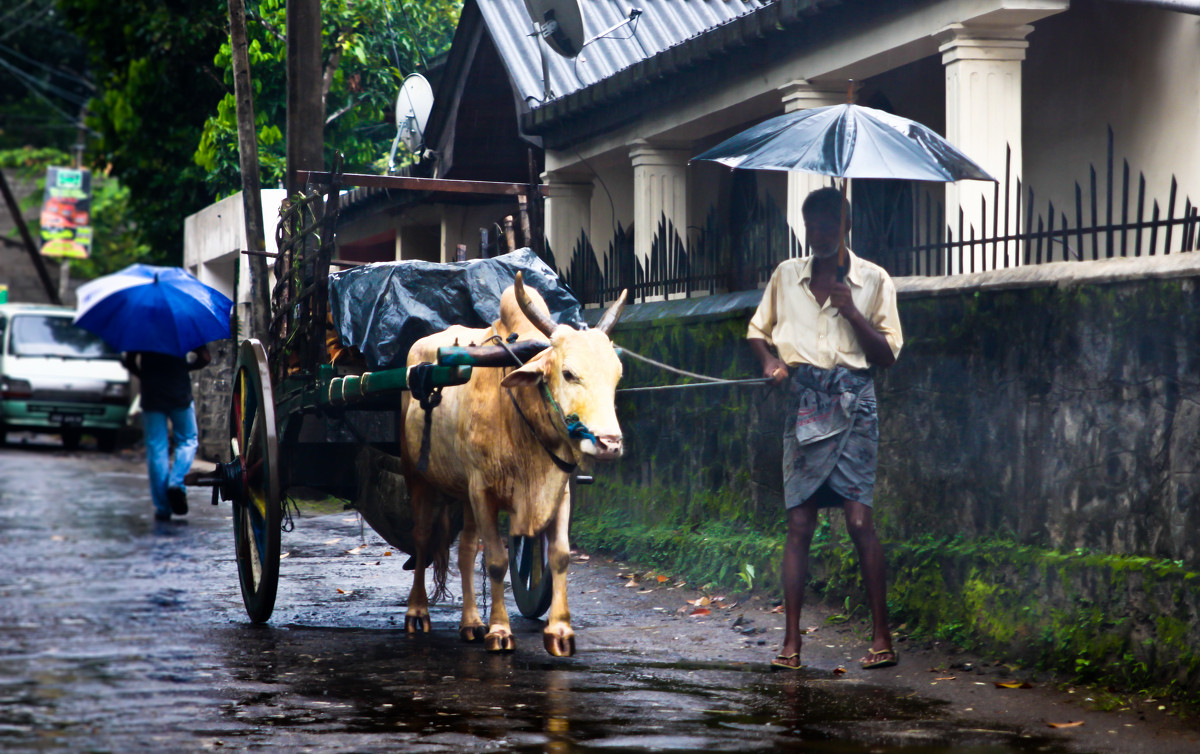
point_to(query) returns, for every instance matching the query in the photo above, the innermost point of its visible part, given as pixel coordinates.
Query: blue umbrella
(148, 308)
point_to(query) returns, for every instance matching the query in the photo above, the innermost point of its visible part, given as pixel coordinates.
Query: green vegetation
(369, 46)
(1021, 603)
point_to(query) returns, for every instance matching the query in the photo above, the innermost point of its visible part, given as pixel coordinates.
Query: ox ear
(535, 370)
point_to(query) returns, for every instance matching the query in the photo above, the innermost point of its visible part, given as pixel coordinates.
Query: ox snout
(606, 447)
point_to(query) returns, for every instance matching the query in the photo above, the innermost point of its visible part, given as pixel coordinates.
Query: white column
(983, 119)
(805, 95)
(568, 215)
(659, 190)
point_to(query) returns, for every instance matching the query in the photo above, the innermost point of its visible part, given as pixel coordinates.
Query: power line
(73, 77)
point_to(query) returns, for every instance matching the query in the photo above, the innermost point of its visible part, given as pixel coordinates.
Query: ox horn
(613, 314)
(540, 320)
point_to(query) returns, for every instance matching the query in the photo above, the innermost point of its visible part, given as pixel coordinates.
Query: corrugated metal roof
(662, 25)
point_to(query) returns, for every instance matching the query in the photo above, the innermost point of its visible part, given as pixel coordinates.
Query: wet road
(119, 634)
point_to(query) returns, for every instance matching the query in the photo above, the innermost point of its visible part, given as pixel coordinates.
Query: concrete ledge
(1057, 274)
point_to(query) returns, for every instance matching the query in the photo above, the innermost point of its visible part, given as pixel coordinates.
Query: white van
(58, 378)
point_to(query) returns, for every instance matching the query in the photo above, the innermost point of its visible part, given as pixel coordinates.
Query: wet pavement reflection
(119, 634)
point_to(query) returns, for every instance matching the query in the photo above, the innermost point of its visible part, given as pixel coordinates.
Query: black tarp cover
(383, 308)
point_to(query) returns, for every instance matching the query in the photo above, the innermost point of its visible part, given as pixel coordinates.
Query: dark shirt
(165, 381)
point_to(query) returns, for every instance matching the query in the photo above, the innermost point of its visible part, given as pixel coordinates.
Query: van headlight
(13, 389)
(116, 392)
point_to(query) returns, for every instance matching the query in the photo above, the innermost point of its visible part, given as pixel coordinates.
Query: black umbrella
(847, 141)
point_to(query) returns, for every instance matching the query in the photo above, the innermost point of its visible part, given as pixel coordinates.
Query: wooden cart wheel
(257, 510)
(529, 570)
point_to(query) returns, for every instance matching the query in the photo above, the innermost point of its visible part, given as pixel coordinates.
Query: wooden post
(523, 202)
(39, 264)
(460, 252)
(260, 296)
(305, 101)
(510, 235)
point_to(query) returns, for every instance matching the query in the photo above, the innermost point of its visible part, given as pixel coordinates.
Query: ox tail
(443, 536)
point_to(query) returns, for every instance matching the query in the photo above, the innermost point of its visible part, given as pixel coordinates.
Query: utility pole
(260, 296)
(305, 100)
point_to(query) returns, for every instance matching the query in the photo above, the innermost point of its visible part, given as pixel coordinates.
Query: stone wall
(212, 387)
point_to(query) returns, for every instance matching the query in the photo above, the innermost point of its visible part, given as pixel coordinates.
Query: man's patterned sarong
(831, 436)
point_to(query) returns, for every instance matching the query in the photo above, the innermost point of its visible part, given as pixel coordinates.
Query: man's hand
(773, 366)
(775, 369)
(840, 299)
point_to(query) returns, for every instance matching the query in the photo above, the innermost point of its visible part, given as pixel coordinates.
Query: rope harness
(706, 381)
(420, 385)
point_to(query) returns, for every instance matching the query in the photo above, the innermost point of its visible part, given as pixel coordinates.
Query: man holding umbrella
(160, 318)
(819, 327)
(166, 390)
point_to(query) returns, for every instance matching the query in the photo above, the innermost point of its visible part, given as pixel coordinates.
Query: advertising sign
(66, 213)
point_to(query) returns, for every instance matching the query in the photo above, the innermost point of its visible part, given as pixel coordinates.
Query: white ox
(481, 451)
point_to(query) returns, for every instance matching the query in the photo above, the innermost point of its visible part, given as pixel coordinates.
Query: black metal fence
(738, 250)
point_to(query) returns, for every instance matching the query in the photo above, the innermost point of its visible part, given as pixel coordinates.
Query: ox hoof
(559, 646)
(500, 642)
(416, 624)
(472, 633)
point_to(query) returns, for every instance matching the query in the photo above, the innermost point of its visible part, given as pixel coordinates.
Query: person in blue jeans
(166, 390)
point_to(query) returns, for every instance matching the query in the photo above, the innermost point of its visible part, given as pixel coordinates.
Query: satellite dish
(560, 23)
(413, 105)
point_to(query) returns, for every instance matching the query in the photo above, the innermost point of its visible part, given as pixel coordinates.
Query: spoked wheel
(529, 569)
(257, 510)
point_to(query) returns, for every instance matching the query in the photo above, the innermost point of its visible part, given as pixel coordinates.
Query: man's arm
(129, 360)
(873, 342)
(198, 358)
(773, 366)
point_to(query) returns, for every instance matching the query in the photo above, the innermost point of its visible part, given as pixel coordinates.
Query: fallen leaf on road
(358, 549)
(632, 582)
(583, 557)
(700, 611)
(591, 591)
(700, 602)
(387, 554)
(645, 591)
(284, 555)
(350, 520)
(57, 538)
(1073, 724)
(662, 578)
(946, 678)
(340, 591)
(333, 541)
(839, 670)
(680, 584)
(1013, 684)
(777, 609)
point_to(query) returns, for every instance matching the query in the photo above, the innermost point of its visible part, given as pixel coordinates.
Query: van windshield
(48, 335)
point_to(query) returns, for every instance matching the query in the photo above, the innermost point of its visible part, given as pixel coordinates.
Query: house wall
(1037, 461)
(1134, 68)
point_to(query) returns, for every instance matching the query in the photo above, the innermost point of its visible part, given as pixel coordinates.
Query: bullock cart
(298, 419)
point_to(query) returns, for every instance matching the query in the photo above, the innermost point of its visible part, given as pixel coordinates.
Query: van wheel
(106, 440)
(71, 438)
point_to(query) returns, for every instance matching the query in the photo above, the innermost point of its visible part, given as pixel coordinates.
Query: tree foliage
(151, 61)
(368, 46)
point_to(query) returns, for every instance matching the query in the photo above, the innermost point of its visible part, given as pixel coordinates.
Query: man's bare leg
(861, 526)
(802, 522)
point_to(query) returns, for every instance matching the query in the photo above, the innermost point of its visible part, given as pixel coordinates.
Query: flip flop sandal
(884, 658)
(783, 662)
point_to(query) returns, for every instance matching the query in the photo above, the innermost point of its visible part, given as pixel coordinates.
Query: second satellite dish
(413, 105)
(561, 23)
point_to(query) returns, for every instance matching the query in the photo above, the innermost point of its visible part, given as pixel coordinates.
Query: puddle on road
(304, 684)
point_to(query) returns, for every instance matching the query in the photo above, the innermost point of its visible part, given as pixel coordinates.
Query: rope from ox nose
(705, 380)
